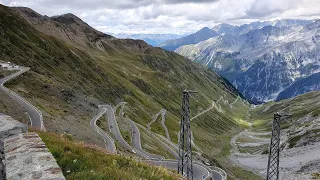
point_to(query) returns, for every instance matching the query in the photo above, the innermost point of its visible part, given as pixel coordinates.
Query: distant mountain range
(151, 39)
(201, 35)
(264, 60)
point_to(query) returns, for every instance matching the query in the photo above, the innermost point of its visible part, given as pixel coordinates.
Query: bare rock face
(10, 127)
(28, 158)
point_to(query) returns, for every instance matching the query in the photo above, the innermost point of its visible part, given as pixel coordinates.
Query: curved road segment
(114, 129)
(110, 146)
(34, 113)
(200, 171)
(136, 141)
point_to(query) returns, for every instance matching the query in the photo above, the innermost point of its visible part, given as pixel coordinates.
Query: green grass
(315, 175)
(4, 73)
(151, 145)
(244, 174)
(299, 107)
(67, 82)
(81, 161)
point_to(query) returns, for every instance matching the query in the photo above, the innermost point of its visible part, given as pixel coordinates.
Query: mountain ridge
(295, 47)
(70, 76)
(151, 39)
(203, 34)
(67, 27)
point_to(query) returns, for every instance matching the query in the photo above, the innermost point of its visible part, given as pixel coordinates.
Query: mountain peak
(314, 25)
(205, 29)
(26, 12)
(67, 27)
(68, 18)
(201, 35)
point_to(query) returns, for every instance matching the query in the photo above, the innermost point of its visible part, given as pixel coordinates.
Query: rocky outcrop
(24, 155)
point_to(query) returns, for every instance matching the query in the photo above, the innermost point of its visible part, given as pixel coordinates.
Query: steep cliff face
(262, 62)
(301, 86)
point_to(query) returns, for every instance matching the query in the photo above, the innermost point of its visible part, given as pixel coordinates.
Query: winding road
(136, 141)
(163, 114)
(211, 107)
(110, 145)
(35, 115)
(200, 171)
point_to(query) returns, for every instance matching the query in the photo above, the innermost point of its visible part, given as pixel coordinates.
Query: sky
(171, 16)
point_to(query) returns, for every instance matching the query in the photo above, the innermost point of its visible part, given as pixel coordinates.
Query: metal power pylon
(274, 150)
(185, 152)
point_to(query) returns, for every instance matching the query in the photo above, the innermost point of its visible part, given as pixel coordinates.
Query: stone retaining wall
(23, 155)
(2, 167)
(28, 158)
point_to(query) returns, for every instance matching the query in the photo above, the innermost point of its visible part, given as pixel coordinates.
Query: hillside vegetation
(75, 68)
(83, 161)
(303, 111)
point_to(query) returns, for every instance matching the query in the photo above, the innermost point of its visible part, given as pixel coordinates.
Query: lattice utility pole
(185, 151)
(274, 149)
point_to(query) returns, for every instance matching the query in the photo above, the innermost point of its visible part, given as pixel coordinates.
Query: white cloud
(171, 16)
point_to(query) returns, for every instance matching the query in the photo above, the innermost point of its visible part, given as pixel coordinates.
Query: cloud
(98, 4)
(260, 8)
(171, 16)
(187, 1)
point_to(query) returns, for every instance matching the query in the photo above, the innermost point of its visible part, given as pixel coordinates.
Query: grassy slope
(68, 82)
(81, 161)
(299, 107)
(304, 109)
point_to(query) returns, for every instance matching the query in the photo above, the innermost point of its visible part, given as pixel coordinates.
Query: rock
(2, 166)
(9, 126)
(312, 166)
(2, 170)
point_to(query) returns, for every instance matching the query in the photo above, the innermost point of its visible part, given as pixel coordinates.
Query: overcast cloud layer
(171, 16)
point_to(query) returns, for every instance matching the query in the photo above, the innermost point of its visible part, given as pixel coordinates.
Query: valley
(124, 96)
